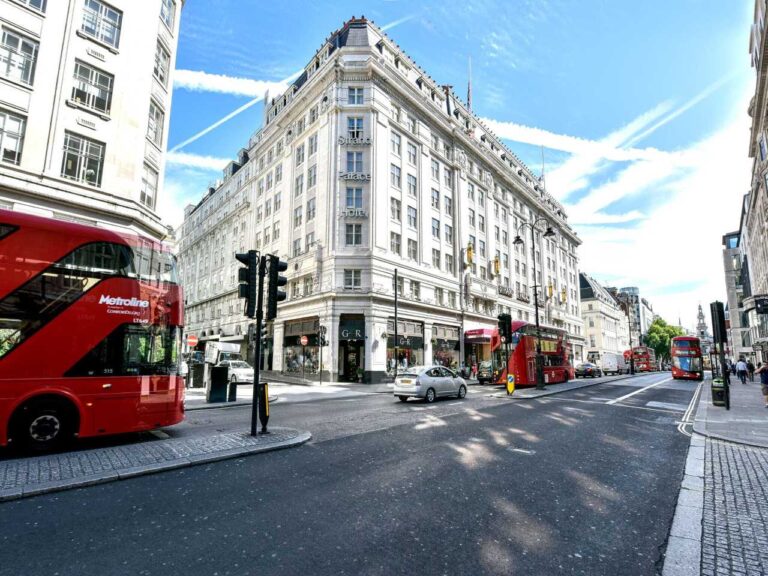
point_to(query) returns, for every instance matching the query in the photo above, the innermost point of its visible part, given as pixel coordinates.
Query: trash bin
(217, 389)
(232, 396)
(719, 392)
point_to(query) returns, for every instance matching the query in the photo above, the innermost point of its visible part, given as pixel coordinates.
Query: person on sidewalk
(751, 370)
(741, 370)
(762, 370)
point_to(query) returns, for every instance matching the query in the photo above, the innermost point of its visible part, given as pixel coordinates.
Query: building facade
(639, 310)
(606, 327)
(85, 97)
(363, 167)
(739, 338)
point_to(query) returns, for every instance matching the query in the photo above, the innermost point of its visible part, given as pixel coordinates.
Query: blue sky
(640, 109)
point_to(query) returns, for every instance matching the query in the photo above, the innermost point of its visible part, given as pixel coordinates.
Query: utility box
(217, 387)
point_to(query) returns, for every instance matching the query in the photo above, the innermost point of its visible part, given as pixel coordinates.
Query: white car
(239, 371)
(429, 383)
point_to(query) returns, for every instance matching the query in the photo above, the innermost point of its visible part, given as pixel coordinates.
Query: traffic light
(323, 341)
(276, 281)
(249, 280)
(505, 326)
(264, 333)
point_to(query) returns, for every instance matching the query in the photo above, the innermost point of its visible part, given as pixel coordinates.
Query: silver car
(429, 382)
(239, 371)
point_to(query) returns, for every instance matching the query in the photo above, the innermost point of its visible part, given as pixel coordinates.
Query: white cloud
(196, 161)
(199, 81)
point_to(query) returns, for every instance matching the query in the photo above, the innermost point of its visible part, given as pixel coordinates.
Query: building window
(435, 199)
(354, 95)
(452, 299)
(448, 177)
(354, 234)
(411, 154)
(482, 248)
(298, 189)
(439, 296)
(448, 205)
(276, 231)
(354, 198)
(168, 12)
(297, 247)
(309, 241)
(83, 159)
(435, 169)
(312, 143)
(278, 173)
(38, 5)
(355, 127)
(394, 176)
(471, 217)
(312, 114)
(277, 201)
(481, 223)
(92, 87)
(394, 242)
(352, 279)
(18, 57)
(11, 136)
(354, 162)
(310, 209)
(299, 155)
(400, 286)
(162, 64)
(413, 249)
(149, 187)
(413, 221)
(311, 177)
(411, 185)
(297, 213)
(436, 258)
(395, 141)
(449, 263)
(415, 290)
(449, 234)
(435, 229)
(413, 125)
(102, 22)
(395, 208)
(155, 124)
(308, 285)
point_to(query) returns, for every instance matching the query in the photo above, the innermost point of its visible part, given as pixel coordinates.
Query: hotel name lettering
(354, 141)
(354, 176)
(354, 213)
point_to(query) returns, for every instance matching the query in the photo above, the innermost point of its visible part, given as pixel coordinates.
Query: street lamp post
(548, 233)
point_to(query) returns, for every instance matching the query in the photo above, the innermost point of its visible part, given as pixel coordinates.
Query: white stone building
(606, 326)
(364, 166)
(739, 342)
(85, 96)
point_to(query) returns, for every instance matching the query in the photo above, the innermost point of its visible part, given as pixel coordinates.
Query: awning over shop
(479, 335)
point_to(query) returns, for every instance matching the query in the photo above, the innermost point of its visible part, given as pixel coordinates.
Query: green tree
(660, 336)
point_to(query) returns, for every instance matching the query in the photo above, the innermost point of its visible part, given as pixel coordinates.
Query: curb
(144, 470)
(683, 553)
(218, 405)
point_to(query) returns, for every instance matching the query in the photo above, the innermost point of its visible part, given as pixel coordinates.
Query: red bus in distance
(90, 333)
(555, 352)
(644, 358)
(687, 361)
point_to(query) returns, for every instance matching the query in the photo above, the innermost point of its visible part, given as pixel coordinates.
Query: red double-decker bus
(644, 358)
(687, 361)
(90, 332)
(522, 355)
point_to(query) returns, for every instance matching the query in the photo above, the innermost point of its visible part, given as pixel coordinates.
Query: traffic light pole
(257, 351)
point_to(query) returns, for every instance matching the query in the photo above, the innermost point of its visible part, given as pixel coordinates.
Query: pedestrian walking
(762, 370)
(751, 370)
(741, 370)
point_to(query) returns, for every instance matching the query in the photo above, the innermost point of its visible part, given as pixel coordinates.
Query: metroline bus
(644, 358)
(90, 332)
(687, 362)
(522, 355)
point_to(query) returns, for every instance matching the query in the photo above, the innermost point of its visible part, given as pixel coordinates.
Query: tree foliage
(660, 336)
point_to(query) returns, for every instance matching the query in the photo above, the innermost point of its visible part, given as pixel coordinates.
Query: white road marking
(643, 389)
(668, 405)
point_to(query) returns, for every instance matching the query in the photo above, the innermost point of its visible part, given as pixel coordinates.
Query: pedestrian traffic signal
(249, 280)
(264, 333)
(505, 326)
(276, 281)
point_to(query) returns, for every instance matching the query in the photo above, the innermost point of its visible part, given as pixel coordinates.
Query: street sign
(510, 384)
(304, 340)
(192, 340)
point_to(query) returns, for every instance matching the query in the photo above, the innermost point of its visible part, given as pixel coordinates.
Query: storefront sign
(479, 336)
(354, 213)
(354, 141)
(406, 342)
(352, 329)
(354, 176)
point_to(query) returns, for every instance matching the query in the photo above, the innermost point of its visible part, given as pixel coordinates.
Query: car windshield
(239, 364)
(485, 364)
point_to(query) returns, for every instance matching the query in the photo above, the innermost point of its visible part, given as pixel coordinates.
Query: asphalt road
(584, 482)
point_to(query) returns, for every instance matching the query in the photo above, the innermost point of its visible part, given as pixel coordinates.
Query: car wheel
(403, 398)
(462, 392)
(430, 396)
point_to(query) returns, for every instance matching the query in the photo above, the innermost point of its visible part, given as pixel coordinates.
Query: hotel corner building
(753, 232)
(85, 96)
(606, 325)
(363, 167)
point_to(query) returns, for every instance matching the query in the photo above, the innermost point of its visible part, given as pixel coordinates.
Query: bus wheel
(43, 425)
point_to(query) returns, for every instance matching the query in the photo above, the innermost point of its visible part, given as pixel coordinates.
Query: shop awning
(479, 335)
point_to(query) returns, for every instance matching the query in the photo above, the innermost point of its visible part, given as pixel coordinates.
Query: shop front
(410, 344)
(351, 347)
(477, 347)
(445, 346)
(301, 359)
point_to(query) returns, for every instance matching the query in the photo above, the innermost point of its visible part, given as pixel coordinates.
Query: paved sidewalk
(746, 422)
(721, 520)
(30, 476)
